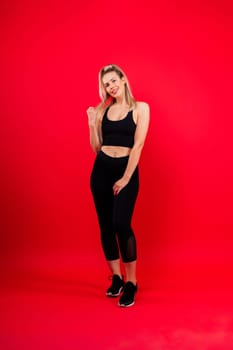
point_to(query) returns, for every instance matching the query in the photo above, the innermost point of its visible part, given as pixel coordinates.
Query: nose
(112, 86)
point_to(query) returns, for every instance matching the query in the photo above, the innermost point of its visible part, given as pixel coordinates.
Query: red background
(178, 58)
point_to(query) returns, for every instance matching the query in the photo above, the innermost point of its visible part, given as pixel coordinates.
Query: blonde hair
(107, 100)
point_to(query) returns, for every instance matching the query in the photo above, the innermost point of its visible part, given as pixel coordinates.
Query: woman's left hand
(119, 185)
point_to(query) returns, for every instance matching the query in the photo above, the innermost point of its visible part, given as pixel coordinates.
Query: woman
(118, 128)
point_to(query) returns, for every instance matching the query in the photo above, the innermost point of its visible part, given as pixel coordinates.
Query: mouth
(114, 91)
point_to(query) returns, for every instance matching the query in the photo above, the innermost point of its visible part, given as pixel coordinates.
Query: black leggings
(114, 212)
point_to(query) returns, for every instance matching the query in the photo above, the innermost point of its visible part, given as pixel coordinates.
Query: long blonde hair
(106, 99)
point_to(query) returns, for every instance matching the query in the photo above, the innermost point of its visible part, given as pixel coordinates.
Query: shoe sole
(123, 305)
(114, 295)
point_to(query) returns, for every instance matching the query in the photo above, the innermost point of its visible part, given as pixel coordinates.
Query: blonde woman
(118, 128)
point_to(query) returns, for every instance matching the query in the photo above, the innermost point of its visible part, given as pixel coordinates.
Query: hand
(92, 116)
(119, 185)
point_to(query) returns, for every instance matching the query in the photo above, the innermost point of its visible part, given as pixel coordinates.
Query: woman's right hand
(92, 116)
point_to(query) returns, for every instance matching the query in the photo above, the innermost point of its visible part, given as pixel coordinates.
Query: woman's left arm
(143, 118)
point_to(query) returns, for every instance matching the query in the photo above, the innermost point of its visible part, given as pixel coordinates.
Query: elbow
(138, 147)
(96, 148)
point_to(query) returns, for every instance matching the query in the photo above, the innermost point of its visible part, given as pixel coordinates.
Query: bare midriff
(116, 151)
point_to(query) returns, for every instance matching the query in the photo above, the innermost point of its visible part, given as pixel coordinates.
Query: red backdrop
(178, 58)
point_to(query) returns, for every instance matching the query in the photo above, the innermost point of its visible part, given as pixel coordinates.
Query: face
(113, 84)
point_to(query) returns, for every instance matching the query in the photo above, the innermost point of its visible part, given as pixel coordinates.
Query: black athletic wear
(115, 211)
(118, 132)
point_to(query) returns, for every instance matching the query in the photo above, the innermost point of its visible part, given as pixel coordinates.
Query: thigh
(101, 188)
(100, 177)
(124, 202)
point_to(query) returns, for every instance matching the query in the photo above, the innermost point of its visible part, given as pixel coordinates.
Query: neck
(121, 101)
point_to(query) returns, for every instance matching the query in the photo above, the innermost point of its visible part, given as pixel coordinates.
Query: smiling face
(113, 84)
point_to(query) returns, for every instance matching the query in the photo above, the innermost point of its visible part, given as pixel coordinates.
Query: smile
(114, 91)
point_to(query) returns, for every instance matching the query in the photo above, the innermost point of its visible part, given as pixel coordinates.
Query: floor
(44, 308)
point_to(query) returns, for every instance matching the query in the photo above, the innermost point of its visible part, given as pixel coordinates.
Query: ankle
(118, 274)
(132, 280)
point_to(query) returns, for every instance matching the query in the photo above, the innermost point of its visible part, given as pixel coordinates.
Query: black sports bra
(118, 132)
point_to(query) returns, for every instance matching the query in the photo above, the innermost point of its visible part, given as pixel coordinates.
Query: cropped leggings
(114, 212)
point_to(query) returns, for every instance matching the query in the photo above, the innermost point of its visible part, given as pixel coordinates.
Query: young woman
(118, 128)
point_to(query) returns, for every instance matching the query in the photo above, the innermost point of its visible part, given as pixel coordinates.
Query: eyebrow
(108, 81)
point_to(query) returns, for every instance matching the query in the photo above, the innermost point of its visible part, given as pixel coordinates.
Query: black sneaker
(116, 287)
(127, 298)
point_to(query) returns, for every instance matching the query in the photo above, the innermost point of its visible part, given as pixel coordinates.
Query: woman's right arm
(94, 129)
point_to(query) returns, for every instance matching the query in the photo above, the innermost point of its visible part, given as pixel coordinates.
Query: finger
(115, 190)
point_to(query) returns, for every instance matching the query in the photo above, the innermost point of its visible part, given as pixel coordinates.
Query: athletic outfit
(115, 211)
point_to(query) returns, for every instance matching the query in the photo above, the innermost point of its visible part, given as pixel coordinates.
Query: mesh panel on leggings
(128, 250)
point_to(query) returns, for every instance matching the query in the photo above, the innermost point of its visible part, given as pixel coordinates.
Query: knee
(123, 229)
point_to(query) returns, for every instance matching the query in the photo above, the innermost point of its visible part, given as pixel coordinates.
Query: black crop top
(118, 132)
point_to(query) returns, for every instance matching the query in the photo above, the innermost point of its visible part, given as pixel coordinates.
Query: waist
(116, 151)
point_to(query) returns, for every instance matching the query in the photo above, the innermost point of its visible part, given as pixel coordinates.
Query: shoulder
(142, 105)
(142, 110)
(141, 113)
